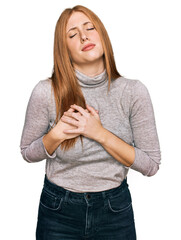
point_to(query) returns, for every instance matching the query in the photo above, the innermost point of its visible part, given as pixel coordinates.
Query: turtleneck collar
(87, 81)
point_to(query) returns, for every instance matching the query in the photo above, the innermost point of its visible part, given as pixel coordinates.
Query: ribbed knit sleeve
(36, 124)
(142, 120)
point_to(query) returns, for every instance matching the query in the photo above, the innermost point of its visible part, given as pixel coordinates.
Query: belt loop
(104, 197)
(103, 194)
(66, 195)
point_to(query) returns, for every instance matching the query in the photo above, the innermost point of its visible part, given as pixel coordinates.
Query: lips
(88, 46)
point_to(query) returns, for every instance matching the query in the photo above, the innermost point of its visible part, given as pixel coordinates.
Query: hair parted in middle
(64, 81)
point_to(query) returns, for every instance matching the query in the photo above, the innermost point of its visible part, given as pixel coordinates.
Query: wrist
(54, 137)
(101, 136)
(51, 142)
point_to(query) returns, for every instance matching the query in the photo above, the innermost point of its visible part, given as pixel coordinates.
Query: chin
(94, 56)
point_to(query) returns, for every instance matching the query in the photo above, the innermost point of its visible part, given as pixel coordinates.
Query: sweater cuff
(36, 151)
(47, 154)
(141, 162)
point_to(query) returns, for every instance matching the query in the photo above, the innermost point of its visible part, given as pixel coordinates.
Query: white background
(147, 45)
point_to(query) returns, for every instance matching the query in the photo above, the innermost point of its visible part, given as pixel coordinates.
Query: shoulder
(43, 86)
(41, 94)
(42, 89)
(131, 87)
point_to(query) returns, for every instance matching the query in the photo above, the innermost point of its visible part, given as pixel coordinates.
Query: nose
(83, 37)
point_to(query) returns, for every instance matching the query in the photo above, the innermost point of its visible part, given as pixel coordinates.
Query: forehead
(76, 19)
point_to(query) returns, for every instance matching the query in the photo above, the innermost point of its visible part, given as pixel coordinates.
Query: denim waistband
(57, 190)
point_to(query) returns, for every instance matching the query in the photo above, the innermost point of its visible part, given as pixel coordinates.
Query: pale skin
(86, 122)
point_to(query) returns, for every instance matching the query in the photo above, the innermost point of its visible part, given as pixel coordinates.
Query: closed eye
(86, 29)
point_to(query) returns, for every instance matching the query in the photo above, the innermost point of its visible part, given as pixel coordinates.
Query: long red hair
(64, 81)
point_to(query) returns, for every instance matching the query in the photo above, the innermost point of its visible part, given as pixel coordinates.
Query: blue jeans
(106, 215)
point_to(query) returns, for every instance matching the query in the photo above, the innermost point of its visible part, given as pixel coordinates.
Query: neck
(92, 69)
(86, 81)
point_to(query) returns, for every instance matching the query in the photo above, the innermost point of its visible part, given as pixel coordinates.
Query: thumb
(70, 110)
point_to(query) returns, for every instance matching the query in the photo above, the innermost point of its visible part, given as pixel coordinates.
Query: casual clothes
(126, 111)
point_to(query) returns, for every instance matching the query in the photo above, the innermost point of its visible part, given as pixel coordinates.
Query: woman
(91, 125)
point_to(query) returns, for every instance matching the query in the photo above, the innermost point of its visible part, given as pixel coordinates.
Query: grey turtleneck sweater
(126, 111)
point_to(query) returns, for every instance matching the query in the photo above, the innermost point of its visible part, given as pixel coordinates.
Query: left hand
(87, 121)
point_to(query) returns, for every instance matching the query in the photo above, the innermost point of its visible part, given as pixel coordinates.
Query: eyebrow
(76, 27)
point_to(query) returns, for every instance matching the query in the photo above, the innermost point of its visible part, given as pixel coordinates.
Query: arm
(115, 146)
(55, 137)
(146, 142)
(144, 155)
(36, 125)
(89, 125)
(37, 143)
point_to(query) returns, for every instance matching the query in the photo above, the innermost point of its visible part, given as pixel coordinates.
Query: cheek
(72, 46)
(97, 39)
(99, 44)
(96, 36)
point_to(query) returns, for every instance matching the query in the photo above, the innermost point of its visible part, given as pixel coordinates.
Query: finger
(73, 110)
(71, 131)
(70, 110)
(70, 121)
(91, 109)
(80, 109)
(73, 115)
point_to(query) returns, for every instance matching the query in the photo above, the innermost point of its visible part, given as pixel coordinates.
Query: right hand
(61, 126)
(56, 136)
